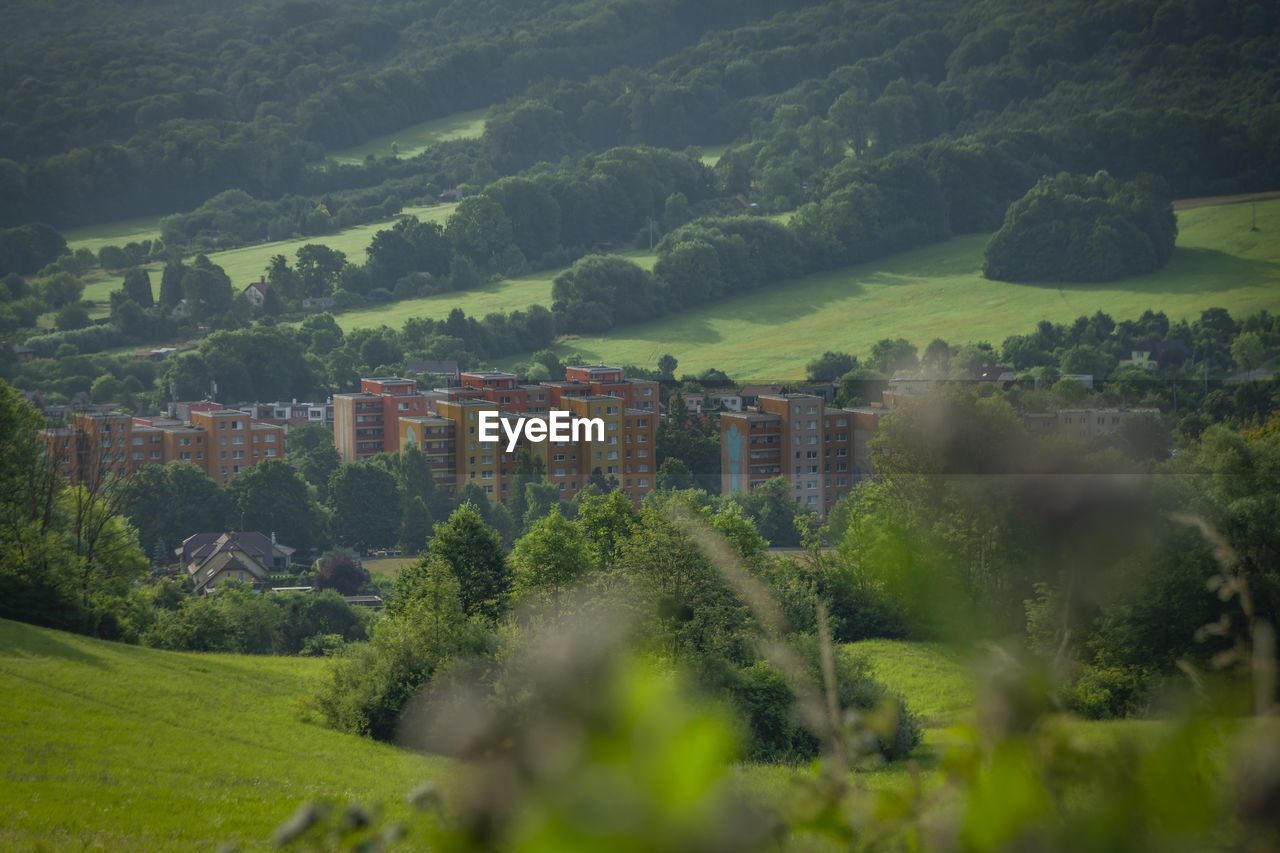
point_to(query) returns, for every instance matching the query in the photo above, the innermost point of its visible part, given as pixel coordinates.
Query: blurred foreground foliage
(643, 651)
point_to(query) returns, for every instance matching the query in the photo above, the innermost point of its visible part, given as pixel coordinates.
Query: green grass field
(506, 295)
(106, 746)
(121, 233)
(388, 566)
(936, 682)
(415, 139)
(938, 291)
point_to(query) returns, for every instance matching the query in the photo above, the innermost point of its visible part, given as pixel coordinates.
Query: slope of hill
(931, 678)
(938, 292)
(110, 746)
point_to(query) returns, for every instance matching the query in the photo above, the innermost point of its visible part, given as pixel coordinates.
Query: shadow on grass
(1191, 270)
(22, 641)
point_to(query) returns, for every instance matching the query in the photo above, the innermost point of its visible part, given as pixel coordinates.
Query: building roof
(200, 547)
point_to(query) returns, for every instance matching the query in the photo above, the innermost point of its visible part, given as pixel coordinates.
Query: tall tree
(366, 505)
(271, 497)
(475, 555)
(137, 286)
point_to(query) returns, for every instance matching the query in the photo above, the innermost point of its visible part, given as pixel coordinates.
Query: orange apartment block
(365, 423)
(449, 432)
(222, 444)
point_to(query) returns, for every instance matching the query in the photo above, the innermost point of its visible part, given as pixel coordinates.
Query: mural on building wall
(734, 443)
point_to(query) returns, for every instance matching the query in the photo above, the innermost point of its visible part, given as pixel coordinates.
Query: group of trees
(448, 609)
(1074, 228)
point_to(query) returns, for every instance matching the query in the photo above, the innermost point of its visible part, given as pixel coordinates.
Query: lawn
(505, 295)
(416, 138)
(110, 746)
(388, 566)
(120, 233)
(938, 291)
(936, 682)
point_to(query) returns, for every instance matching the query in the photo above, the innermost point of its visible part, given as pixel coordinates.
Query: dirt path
(1206, 201)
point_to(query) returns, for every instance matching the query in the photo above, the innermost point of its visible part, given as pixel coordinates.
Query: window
(559, 472)
(271, 451)
(559, 457)
(613, 454)
(239, 439)
(486, 460)
(643, 469)
(813, 410)
(137, 440)
(642, 453)
(184, 456)
(237, 424)
(644, 482)
(270, 438)
(137, 455)
(486, 474)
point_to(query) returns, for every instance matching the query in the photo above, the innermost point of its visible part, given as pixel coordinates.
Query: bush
(1107, 692)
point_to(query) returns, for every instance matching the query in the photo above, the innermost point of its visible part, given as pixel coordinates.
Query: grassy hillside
(415, 139)
(938, 291)
(511, 294)
(117, 747)
(121, 233)
(935, 682)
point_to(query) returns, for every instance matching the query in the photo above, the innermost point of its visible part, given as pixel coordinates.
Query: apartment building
(797, 437)
(221, 443)
(449, 432)
(1085, 424)
(365, 423)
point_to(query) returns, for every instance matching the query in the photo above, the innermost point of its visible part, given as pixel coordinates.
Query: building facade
(222, 443)
(795, 436)
(446, 429)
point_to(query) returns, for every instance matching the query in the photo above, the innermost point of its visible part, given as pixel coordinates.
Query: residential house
(243, 557)
(256, 293)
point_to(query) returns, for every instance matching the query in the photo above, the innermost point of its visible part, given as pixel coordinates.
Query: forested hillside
(106, 114)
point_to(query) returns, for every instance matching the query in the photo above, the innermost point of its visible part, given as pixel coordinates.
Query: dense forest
(187, 101)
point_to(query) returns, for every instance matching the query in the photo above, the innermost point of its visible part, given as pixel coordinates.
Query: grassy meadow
(934, 680)
(938, 291)
(505, 295)
(416, 138)
(107, 746)
(935, 291)
(119, 233)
